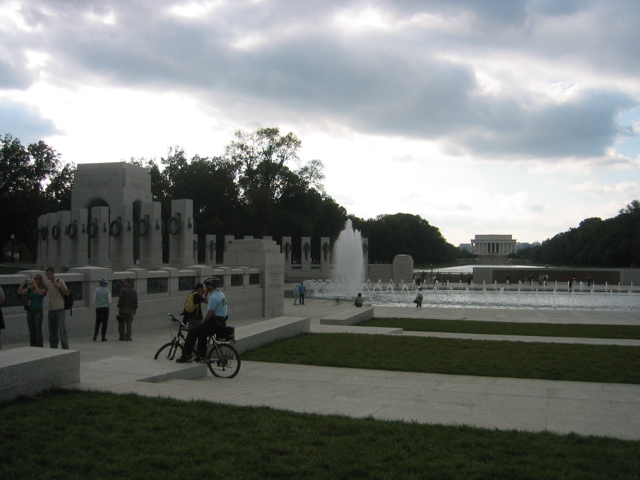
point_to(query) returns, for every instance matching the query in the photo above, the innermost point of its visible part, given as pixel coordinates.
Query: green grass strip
(507, 328)
(584, 363)
(90, 435)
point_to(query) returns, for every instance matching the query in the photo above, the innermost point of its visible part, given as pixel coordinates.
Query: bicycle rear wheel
(224, 361)
(169, 352)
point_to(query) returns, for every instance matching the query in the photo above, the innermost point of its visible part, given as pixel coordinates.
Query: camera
(29, 281)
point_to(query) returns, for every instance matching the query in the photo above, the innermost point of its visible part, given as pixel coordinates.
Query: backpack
(190, 306)
(68, 303)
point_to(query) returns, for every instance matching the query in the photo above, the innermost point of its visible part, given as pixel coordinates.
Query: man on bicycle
(216, 317)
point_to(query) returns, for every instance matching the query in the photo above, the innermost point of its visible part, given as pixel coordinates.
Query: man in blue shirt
(216, 317)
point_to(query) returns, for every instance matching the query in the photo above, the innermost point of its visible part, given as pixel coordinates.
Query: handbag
(27, 303)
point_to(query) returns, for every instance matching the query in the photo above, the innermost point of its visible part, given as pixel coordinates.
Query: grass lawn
(71, 434)
(583, 363)
(507, 328)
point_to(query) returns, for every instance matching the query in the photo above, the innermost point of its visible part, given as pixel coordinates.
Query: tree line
(614, 242)
(258, 186)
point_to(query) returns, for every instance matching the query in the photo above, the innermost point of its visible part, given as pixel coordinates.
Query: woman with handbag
(35, 292)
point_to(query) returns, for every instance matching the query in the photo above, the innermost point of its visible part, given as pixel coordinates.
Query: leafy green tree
(249, 191)
(33, 181)
(263, 160)
(614, 242)
(403, 233)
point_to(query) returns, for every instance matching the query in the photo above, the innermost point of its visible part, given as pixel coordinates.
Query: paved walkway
(502, 403)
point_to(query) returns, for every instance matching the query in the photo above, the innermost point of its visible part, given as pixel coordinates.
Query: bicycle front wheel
(224, 361)
(168, 352)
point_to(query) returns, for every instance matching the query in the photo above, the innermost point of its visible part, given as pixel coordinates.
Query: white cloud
(476, 115)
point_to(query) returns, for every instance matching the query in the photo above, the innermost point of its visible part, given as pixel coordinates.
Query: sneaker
(184, 360)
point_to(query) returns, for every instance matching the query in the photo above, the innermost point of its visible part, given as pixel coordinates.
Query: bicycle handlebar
(174, 319)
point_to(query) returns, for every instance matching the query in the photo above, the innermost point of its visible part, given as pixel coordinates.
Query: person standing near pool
(102, 299)
(302, 289)
(127, 308)
(56, 289)
(35, 291)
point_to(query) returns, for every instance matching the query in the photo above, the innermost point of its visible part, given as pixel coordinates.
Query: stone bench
(348, 317)
(268, 331)
(30, 370)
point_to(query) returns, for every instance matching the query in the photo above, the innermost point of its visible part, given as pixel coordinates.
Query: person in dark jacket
(127, 308)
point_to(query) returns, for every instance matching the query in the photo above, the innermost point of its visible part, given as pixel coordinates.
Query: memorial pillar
(43, 258)
(266, 256)
(305, 261)
(212, 246)
(63, 243)
(325, 256)
(77, 233)
(228, 240)
(98, 233)
(121, 232)
(150, 231)
(180, 228)
(51, 254)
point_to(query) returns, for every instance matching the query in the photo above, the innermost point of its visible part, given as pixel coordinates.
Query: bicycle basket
(226, 334)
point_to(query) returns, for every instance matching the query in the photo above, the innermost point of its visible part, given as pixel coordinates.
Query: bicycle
(222, 359)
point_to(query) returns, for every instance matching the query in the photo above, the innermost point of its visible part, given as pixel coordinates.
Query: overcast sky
(485, 116)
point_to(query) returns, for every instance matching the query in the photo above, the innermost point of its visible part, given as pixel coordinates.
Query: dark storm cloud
(415, 77)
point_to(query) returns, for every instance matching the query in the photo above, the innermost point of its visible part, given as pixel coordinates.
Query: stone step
(30, 370)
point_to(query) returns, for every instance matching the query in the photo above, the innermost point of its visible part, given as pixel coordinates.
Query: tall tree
(262, 159)
(390, 235)
(33, 182)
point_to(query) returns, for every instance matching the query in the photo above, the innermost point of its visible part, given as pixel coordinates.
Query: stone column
(228, 240)
(266, 256)
(52, 253)
(325, 256)
(77, 233)
(98, 233)
(62, 240)
(402, 269)
(43, 257)
(305, 260)
(121, 231)
(180, 227)
(287, 249)
(150, 231)
(212, 245)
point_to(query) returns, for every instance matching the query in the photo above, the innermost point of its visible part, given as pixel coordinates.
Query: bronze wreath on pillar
(115, 227)
(92, 229)
(143, 226)
(174, 225)
(326, 249)
(72, 229)
(55, 232)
